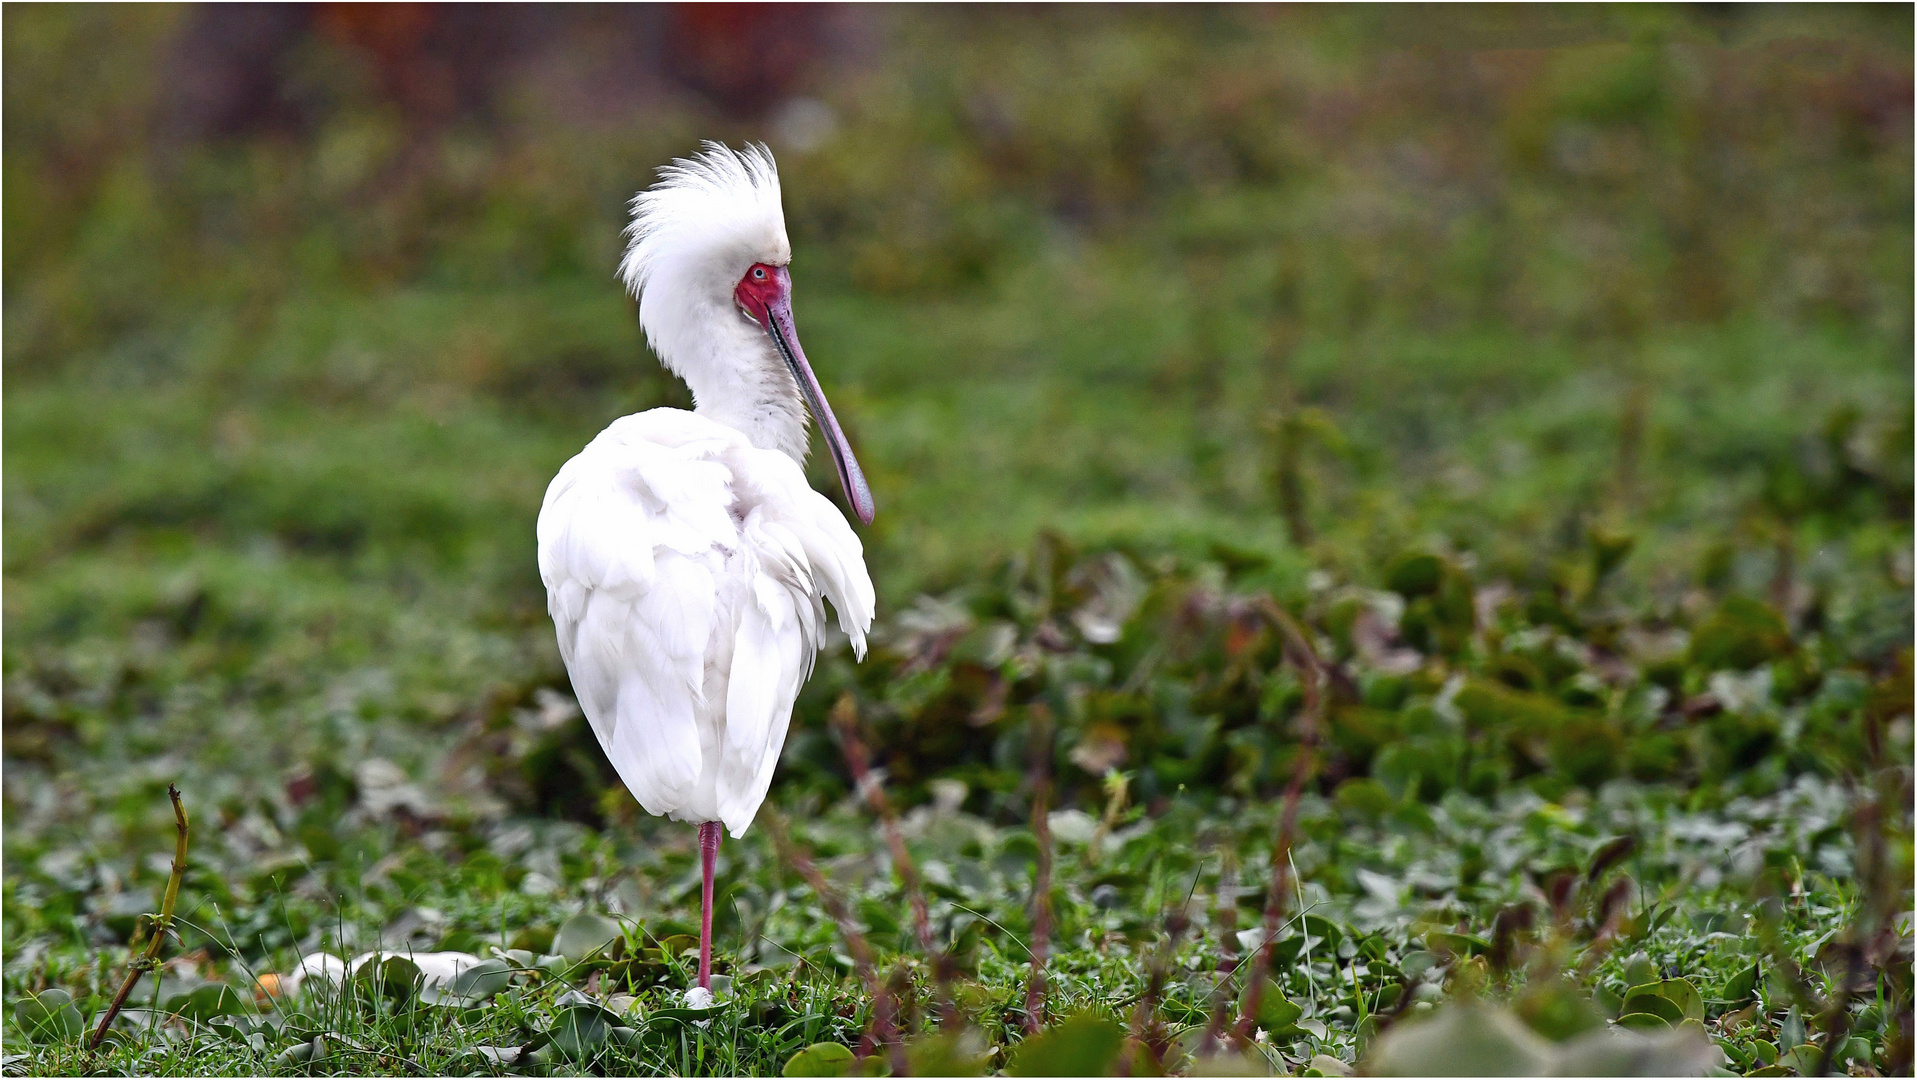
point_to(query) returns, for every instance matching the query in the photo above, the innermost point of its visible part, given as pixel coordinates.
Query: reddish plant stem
(896, 990)
(1299, 653)
(858, 760)
(1146, 1031)
(1040, 732)
(799, 859)
(1613, 906)
(1859, 953)
(1225, 917)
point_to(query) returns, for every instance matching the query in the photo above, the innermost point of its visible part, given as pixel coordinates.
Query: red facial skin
(764, 293)
(762, 286)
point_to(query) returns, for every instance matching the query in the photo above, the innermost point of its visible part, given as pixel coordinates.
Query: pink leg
(708, 855)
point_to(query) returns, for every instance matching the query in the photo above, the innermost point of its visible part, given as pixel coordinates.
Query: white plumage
(684, 569)
(685, 558)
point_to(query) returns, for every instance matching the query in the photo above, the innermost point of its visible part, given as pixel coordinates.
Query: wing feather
(831, 549)
(769, 658)
(681, 565)
(622, 536)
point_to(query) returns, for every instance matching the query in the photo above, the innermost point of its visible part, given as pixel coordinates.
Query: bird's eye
(758, 272)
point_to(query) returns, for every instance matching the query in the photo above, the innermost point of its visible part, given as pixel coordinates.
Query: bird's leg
(708, 855)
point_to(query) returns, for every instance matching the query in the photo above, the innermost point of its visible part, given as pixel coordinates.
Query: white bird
(685, 558)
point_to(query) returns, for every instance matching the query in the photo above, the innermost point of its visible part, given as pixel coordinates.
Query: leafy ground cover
(1513, 814)
(1557, 398)
(1409, 918)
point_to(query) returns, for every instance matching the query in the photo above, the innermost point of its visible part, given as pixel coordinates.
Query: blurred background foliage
(1551, 365)
(305, 304)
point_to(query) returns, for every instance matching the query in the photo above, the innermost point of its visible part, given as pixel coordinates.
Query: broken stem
(162, 925)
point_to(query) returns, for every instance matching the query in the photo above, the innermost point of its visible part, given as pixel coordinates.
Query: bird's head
(709, 262)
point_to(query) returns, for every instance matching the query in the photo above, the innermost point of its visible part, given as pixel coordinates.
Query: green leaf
(236, 1027)
(1461, 1039)
(1083, 1045)
(1741, 986)
(1665, 1051)
(1414, 573)
(297, 1054)
(1653, 1005)
(1365, 797)
(498, 1055)
(1710, 922)
(483, 980)
(1644, 1021)
(471, 986)
(1607, 1000)
(1231, 1064)
(1609, 548)
(948, 1053)
(49, 1016)
(1557, 1011)
(820, 1059)
(1415, 963)
(1638, 970)
(678, 944)
(1443, 941)
(1320, 927)
(384, 983)
(663, 1018)
(1742, 634)
(585, 934)
(395, 978)
(1682, 996)
(580, 1031)
(1277, 1015)
(1803, 1059)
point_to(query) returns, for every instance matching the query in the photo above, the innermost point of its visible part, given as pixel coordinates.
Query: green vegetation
(1557, 396)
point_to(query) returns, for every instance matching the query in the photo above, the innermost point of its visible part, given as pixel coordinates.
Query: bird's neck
(771, 417)
(738, 379)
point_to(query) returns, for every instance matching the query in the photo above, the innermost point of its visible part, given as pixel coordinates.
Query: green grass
(1378, 888)
(1562, 396)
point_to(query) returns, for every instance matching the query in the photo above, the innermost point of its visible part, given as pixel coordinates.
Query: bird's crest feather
(719, 203)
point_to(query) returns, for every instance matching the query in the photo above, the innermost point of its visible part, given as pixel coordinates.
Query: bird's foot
(698, 998)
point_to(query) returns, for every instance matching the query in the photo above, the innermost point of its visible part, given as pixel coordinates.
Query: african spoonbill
(685, 558)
